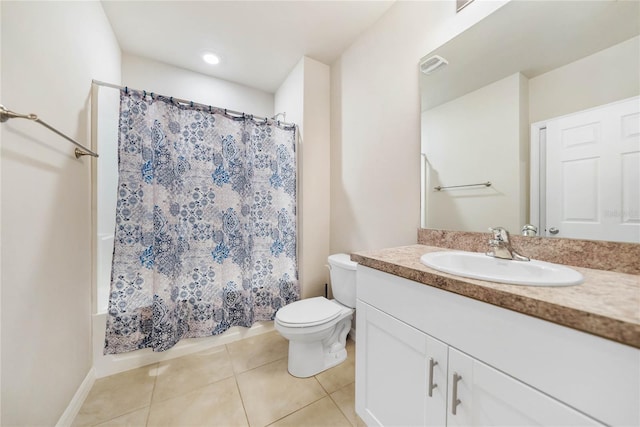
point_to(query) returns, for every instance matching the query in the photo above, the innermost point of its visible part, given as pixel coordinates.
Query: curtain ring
(225, 111)
(126, 90)
(171, 100)
(191, 104)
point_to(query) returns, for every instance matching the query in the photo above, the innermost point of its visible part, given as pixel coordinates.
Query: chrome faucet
(529, 230)
(500, 246)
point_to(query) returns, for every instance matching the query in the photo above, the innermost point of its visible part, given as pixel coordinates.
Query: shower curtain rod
(6, 114)
(191, 103)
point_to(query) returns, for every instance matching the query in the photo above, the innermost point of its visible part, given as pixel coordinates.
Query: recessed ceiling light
(210, 58)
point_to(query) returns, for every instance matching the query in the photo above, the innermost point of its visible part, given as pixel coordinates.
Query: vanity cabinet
(419, 350)
(412, 379)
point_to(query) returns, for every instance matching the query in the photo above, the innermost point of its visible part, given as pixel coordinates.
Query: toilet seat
(308, 312)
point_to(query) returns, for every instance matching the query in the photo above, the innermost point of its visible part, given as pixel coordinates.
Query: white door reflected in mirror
(591, 189)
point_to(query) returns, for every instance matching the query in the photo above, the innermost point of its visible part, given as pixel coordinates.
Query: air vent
(433, 64)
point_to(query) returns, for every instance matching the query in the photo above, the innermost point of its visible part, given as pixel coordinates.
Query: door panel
(592, 176)
(393, 372)
(489, 397)
(630, 194)
(394, 365)
(580, 190)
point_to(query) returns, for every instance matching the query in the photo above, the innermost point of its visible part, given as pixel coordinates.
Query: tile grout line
(117, 416)
(339, 408)
(235, 379)
(320, 382)
(153, 390)
(132, 410)
(300, 409)
(242, 399)
(255, 367)
(259, 366)
(193, 390)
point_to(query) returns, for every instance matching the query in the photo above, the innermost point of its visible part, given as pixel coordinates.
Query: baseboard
(78, 399)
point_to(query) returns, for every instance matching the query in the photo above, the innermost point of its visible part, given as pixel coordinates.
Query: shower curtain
(205, 234)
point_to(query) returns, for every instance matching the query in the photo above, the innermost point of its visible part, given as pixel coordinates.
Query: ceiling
(530, 37)
(259, 42)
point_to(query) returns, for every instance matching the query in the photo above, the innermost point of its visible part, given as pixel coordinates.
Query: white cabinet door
(437, 359)
(393, 369)
(485, 396)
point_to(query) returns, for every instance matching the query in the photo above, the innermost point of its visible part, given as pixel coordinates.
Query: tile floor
(244, 383)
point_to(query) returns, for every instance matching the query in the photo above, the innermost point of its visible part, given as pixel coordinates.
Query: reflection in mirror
(530, 70)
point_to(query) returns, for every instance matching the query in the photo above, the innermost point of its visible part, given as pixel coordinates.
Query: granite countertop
(606, 304)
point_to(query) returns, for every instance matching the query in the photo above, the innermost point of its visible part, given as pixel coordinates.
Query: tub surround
(606, 304)
(599, 255)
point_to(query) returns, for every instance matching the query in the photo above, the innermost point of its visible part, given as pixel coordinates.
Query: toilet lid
(307, 312)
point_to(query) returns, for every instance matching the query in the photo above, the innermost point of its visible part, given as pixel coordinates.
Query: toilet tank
(343, 279)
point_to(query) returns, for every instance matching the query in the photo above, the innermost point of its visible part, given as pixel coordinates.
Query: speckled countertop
(606, 304)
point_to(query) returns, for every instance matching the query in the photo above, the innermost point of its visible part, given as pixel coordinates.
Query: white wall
(289, 98)
(604, 77)
(50, 53)
(304, 96)
(476, 138)
(152, 76)
(375, 123)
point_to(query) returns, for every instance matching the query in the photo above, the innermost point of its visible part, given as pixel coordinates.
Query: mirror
(486, 93)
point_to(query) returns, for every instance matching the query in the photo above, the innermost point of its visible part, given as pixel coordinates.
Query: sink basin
(480, 266)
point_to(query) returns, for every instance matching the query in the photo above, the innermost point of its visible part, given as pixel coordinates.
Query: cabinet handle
(432, 385)
(454, 396)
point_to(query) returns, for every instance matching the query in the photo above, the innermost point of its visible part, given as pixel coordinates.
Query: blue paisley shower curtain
(205, 233)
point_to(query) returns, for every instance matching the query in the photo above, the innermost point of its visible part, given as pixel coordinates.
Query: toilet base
(308, 358)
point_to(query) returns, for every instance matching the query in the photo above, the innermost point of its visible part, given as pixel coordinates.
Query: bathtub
(110, 364)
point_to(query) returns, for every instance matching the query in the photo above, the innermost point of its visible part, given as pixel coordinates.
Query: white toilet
(317, 328)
